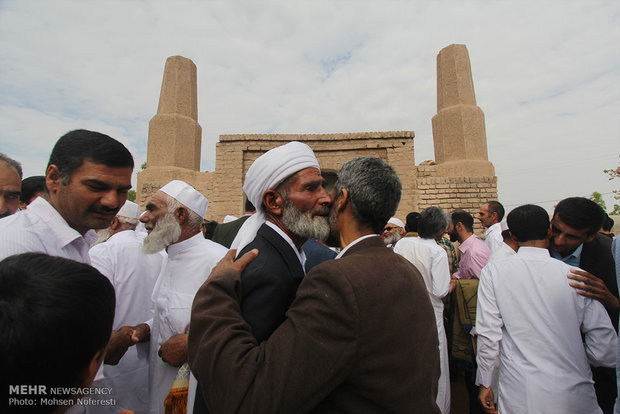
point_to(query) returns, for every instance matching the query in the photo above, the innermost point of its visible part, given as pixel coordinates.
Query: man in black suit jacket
(360, 336)
(286, 186)
(575, 240)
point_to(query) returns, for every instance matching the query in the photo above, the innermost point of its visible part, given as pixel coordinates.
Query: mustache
(322, 211)
(103, 209)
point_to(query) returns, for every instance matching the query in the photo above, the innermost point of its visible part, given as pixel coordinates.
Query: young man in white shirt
(530, 324)
(490, 216)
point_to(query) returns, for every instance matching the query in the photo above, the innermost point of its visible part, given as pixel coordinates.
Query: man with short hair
(173, 218)
(530, 325)
(474, 252)
(119, 257)
(32, 187)
(55, 320)
(88, 177)
(393, 231)
(490, 215)
(575, 241)
(341, 347)
(10, 185)
(411, 224)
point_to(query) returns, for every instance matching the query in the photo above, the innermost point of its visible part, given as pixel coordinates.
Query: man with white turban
(286, 187)
(173, 218)
(119, 257)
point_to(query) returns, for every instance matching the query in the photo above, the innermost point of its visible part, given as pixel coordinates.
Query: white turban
(266, 173)
(397, 222)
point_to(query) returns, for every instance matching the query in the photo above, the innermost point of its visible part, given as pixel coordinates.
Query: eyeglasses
(389, 228)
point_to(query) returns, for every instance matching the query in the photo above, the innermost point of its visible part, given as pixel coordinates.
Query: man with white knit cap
(286, 187)
(393, 231)
(118, 256)
(173, 217)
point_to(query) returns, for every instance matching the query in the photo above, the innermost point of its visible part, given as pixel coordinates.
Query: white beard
(304, 226)
(166, 231)
(102, 236)
(392, 238)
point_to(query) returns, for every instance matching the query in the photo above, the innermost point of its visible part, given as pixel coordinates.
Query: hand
(118, 344)
(593, 287)
(452, 284)
(141, 333)
(229, 262)
(174, 350)
(486, 400)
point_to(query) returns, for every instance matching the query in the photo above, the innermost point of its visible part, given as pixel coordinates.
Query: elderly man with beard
(173, 218)
(393, 231)
(118, 256)
(360, 336)
(286, 187)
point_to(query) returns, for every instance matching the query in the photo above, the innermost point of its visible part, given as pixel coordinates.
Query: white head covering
(187, 195)
(267, 172)
(397, 222)
(129, 210)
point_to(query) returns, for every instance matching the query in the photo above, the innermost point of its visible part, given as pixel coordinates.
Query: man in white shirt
(432, 262)
(530, 324)
(490, 216)
(119, 257)
(508, 247)
(10, 185)
(87, 178)
(173, 218)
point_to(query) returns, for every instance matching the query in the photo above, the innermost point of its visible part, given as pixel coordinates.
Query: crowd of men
(314, 301)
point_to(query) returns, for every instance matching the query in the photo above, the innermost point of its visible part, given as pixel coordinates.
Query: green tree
(131, 195)
(598, 199)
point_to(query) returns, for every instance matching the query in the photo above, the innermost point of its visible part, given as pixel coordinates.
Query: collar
(354, 242)
(122, 236)
(493, 228)
(177, 248)
(468, 244)
(65, 234)
(533, 251)
(301, 255)
(574, 256)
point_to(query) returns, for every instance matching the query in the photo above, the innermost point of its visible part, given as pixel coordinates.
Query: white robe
(530, 324)
(133, 275)
(432, 262)
(187, 266)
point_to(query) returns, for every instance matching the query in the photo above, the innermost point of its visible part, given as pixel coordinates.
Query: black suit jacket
(596, 258)
(269, 282)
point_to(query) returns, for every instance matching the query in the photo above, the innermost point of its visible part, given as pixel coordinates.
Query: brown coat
(360, 337)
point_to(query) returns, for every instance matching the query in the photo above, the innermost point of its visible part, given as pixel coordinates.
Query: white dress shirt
(133, 275)
(493, 237)
(40, 228)
(530, 324)
(502, 251)
(187, 266)
(432, 262)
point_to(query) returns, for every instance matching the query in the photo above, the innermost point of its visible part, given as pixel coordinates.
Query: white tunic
(133, 275)
(530, 324)
(40, 228)
(187, 266)
(493, 237)
(432, 262)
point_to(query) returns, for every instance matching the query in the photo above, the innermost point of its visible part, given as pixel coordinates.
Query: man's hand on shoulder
(592, 287)
(228, 262)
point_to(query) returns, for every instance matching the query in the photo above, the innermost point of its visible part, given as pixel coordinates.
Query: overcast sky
(546, 74)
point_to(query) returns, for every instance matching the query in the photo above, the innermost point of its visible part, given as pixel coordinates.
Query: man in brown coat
(360, 335)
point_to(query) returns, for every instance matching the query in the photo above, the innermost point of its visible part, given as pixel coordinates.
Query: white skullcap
(396, 221)
(228, 218)
(187, 195)
(504, 225)
(129, 210)
(267, 172)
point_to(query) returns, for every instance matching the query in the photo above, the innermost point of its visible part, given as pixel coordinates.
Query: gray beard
(392, 238)
(304, 226)
(102, 236)
(167, 231)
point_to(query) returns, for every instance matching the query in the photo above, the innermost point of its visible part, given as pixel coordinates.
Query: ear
(514, 239)
(87, 374)
(182, 214)
(274, 202)
(341, 201)
(52, 178)
(115, 223)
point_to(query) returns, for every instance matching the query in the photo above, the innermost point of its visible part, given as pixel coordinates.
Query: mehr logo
(27, 390)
